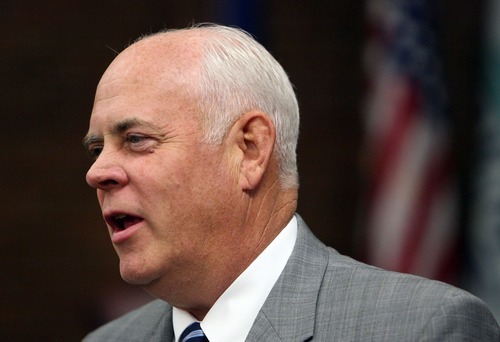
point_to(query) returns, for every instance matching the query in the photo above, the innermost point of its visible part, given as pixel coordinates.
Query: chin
(140, 281)
(136, 276)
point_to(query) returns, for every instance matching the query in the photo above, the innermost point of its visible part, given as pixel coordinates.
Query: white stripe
(193, 334)
(440, 234)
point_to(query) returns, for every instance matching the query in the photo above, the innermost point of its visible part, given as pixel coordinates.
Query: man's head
(193, 134)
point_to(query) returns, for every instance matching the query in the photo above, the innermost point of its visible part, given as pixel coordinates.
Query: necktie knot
(193, 333)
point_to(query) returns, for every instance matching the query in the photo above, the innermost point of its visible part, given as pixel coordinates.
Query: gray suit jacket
(324, 296)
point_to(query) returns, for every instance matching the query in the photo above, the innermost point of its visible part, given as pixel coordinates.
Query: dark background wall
(57, 267)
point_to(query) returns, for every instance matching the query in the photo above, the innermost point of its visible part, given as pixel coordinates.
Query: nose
(106, 174)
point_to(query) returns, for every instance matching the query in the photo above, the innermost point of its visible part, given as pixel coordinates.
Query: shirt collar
(239, 305)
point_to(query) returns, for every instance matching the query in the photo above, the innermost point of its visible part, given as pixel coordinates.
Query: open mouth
(121, 222)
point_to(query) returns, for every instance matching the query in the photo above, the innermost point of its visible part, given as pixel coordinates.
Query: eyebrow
(117, 129)
(90, 139)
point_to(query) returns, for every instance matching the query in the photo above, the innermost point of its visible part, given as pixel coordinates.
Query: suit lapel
(163, 330)
(290, 309)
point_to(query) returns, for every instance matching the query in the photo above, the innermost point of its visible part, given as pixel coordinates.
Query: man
(193, 133)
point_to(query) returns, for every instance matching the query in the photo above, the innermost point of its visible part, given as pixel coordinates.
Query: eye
(135, 139)
(94, 151)
(138, 142)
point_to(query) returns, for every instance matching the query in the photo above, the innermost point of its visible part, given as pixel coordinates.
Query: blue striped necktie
(193, 333)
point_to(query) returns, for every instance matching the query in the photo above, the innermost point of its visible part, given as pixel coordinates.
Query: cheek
(182, 183)
(100, 197)
(160, 189)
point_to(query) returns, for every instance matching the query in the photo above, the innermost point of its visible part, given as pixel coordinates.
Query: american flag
(411, 201)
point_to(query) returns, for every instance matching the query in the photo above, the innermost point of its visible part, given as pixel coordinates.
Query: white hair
(237, 74)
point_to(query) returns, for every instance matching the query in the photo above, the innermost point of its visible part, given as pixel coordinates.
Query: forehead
(173, 55)
(152, 79)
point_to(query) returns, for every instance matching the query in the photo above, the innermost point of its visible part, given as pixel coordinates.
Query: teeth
(120, 217)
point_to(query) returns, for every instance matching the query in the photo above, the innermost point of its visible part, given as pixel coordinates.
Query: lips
(121, 221)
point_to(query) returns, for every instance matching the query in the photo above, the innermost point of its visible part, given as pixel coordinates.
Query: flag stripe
(435, 177)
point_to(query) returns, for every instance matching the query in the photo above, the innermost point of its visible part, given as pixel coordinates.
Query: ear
(252, 139)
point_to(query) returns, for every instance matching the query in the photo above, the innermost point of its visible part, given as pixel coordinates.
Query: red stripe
(391, 143)
(434, 180)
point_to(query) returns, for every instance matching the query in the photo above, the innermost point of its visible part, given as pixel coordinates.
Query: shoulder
(410, 307)
(151, 322)
(370, 303)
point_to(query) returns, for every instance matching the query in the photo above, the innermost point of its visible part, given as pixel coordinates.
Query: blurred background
(399, 153)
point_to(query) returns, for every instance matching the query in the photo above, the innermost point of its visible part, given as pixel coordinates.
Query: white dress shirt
(233, 314)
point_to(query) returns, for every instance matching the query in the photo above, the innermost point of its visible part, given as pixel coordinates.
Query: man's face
(163, 194)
